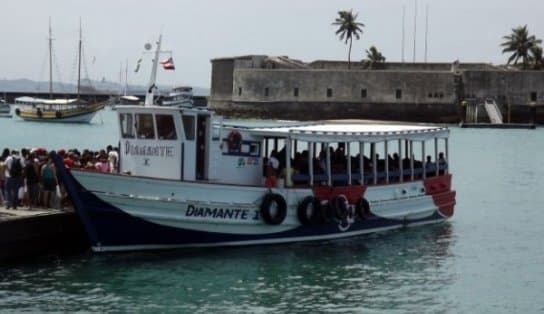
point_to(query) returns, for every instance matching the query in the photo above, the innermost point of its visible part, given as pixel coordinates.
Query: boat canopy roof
(33, 100)
(352, 132)
(131, 98)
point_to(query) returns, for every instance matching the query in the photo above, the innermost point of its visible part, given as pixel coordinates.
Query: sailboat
(75, 110)
(125, 100)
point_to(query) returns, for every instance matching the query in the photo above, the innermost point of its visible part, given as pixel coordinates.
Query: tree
(348, 27)
(520, 44)
(538, 63)
(373, 56)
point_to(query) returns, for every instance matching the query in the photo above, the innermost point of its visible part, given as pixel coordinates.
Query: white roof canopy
(352, 132)
(33, 100)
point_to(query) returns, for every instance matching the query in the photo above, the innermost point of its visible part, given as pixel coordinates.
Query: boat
(56, 110)
(190, 178)
(179, 96)
(75, 110)
(126, 100)
(5, 109)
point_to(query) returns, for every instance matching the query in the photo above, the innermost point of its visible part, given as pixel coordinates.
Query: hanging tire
(362, 209)
(273, 209)
(39, 113)
(18, 111)
(339, 207)
(58, 114)
(309, 211)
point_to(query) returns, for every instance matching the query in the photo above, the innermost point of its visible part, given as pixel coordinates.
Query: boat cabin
(192, 144)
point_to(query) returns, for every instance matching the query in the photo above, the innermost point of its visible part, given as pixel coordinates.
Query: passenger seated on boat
(288, 180)
(272, 167)
(442, 163)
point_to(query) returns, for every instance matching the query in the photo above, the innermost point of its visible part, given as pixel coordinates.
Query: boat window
(166, 129)
(144, 126)
(189, 127)
(127, 130)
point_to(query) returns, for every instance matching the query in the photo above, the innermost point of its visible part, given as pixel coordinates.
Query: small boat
(189, 178)
(126, 100)
(5, 109)
(56, 110)
(179, 96)
(74, 110)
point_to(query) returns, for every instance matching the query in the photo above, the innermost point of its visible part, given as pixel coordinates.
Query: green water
(487, 259)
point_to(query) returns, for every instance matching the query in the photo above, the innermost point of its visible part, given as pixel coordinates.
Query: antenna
(426, 28)
(403, 31)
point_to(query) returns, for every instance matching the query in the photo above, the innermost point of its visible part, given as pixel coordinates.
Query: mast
(79, 62)
(403, 31)
(50, 61)
(426, 28)
(126, 77)
(415, 30)
(153, 78)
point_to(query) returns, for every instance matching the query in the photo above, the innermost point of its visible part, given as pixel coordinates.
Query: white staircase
(493, 111)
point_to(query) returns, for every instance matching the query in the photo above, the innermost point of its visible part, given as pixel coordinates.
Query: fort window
(266, 91)
(239, 91)
(534, 96)
(329, 92)
(295, 91)
(398, 93)
(363, 93)
(441, 95)
(430, 95)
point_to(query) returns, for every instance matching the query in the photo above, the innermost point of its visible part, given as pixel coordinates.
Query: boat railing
(339, 179)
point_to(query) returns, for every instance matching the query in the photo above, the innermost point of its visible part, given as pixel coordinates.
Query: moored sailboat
(74, 110)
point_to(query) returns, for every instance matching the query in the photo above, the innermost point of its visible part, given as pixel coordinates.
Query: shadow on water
(347, 275)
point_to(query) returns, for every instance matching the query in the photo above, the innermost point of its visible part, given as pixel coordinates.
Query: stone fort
(284, 88)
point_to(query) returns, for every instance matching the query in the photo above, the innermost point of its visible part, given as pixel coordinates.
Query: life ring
(58, 114)
(39, 112)
(339, 207)
(309, 211)
(362, 209)
(18, 111)
(273, 209)
(234, 140)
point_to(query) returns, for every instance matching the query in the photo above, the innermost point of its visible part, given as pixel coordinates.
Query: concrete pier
(29, 233)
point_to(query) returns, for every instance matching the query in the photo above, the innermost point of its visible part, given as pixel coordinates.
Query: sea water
(488, 259)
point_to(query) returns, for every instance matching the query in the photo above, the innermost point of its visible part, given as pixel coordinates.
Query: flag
(138, 65)
(168, 64)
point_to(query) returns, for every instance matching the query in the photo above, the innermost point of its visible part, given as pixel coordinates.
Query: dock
(529, 126)
(25, 233)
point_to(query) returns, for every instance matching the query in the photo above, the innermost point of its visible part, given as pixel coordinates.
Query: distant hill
(102, 87)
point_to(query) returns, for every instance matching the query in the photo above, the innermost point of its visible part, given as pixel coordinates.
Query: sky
(195, 32)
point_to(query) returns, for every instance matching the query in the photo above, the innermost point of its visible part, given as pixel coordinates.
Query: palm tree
(519, 43)
(536, 51)
(373, 56)
(348, 28)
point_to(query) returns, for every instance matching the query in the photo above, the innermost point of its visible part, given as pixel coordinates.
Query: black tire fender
(58, 114)
(309, 211)
(362, 209)
(273, 209)
(339, 206)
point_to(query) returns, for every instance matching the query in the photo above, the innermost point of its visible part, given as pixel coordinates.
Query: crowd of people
(28, 177)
